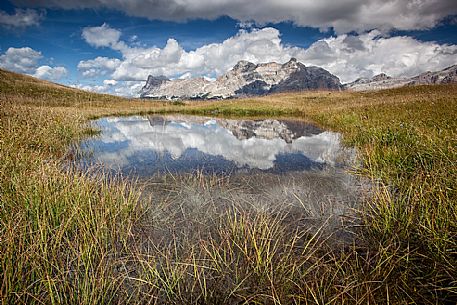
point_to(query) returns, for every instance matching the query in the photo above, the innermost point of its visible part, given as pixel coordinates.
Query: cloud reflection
(253, 144)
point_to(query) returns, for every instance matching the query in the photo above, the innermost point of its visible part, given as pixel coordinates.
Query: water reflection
(147, 145)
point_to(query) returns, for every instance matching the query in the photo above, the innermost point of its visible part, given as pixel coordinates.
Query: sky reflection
(147, 145)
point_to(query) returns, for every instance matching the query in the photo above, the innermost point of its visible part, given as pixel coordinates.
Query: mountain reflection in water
(148, 145)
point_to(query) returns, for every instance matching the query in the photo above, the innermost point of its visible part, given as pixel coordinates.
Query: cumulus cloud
(111, 86)
(343, 16)
(176, 137)
(103, 36)
(347, 56)
(21, 18)
(21, 60)
(50, 73)
(210, 60)
(351, 57)
(127, 88)
(98, 66)
(109, 82)
(25, 60)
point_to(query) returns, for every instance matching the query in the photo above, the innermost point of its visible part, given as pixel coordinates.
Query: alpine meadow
(228, 152)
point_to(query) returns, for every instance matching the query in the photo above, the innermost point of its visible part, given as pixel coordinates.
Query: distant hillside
(24, 86)
(383, 81)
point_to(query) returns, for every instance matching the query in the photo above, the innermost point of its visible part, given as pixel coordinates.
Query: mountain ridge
(383, 81)
(244, 79)
(249, 79)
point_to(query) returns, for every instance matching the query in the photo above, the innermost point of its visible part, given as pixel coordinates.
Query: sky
(111, 46)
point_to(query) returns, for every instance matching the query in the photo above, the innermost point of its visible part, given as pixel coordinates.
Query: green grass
(78, 238)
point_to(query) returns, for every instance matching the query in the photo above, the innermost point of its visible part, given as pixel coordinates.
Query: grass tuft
(85, 238)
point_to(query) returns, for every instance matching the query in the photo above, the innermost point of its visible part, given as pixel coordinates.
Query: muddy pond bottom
(146, 146)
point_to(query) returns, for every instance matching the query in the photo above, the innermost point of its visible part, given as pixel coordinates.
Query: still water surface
(145, 146)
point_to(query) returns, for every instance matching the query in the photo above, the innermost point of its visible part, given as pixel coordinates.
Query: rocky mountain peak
(154, 81)
(244, 66)
(245, 78)
(293, 63)
(382, 81)
(445, 76)
(380, 77)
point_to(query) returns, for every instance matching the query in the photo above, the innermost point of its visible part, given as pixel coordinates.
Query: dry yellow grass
(67, 237)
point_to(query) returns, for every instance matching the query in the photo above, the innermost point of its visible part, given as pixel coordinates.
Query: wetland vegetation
(74, 237)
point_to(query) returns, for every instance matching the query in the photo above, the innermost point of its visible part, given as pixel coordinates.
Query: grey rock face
(245, 79)
(445, 76)
(381, 77)
(288, 130)
(311, 78)
(382, 81)
(377, 82)
(269, 129)
(154, 81)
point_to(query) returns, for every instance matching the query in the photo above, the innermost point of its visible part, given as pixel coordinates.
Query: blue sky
(113, 47)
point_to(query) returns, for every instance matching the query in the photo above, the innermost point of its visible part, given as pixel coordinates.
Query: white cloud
(111, 86)
(103, 36)
(177, 137)
(109, 82)
(213, 59)
(98, 66)
(346, 56)
(25, 60)
(92, 88)
(50, 73)
(127, 88)
(22, 60)
(350, 57)
(343, 16)
(21, 18)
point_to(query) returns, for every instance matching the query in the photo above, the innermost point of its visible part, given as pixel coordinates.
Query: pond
(284, 168)
(148, 145)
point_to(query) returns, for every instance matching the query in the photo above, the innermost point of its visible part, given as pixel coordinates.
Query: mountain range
(287, 130)
(383, 81)
(248, 79)
(244, 79)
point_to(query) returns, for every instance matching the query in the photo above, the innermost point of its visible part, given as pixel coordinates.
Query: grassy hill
(70, 237)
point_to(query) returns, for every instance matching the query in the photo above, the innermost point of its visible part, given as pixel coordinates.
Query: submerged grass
(71, 237)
